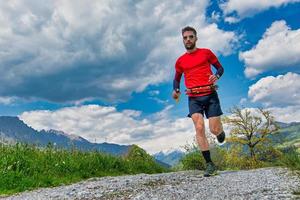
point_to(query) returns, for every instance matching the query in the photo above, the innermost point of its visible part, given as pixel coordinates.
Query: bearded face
(189, 40)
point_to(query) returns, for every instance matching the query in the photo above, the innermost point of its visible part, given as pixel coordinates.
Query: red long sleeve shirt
(196, 67)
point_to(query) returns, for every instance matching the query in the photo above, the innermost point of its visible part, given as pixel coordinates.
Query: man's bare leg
(215, 125)
(203, 144)
(216, 128)
(200, 131)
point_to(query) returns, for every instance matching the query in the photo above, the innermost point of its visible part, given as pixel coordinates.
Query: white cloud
(231, 20)
(278, 49)
(99, 124)
(224, 39)
(160, 101)
(286, 114)
(67, 50)
(153, 95)
(215, 16)
(153, 92)
(243, 101)
(280, 95)
(243, 9)
(282, 90)
(7, 100)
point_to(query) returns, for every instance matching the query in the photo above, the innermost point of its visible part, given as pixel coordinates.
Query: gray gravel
(266, 183)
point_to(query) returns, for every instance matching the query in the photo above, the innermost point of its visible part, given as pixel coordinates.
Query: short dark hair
(189, 28)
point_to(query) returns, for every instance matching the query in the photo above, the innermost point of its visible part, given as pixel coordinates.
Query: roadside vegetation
(24, 167)
(254, 142)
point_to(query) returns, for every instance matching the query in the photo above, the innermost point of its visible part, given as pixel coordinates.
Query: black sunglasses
(189, 36)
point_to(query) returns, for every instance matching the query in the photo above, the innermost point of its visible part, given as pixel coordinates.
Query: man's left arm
(219, 68)
(218, 74)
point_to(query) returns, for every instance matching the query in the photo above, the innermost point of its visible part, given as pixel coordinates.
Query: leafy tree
(136, 153)
(251, 128)
(140, 161)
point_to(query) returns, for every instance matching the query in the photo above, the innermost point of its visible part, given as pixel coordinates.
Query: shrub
(290, 158)
(193, 160)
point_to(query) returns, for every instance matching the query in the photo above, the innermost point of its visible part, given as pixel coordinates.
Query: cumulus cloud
(231, 20)
(282, 90)
(286, 114)
(243, 101)
(278, 49)
(7, 100)
(99, 124)
(153, 92)
(236, 10)
(66, 51)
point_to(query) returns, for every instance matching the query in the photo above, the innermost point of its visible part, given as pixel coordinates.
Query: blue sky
(104, 69)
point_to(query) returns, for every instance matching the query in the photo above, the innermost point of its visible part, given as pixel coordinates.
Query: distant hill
(289, 135)
(13, 130)
(171, 158)
(163, 164)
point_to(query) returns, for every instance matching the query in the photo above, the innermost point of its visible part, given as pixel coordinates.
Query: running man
(203, 99)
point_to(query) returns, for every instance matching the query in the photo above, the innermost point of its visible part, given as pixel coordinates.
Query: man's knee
(200, 129)
(215, 129)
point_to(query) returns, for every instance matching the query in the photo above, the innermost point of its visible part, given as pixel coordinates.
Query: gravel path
(266, 183)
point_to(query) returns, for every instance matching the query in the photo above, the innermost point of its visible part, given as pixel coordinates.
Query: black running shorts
(208, 105)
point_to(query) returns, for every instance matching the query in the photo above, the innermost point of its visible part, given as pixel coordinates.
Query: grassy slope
(288, 136)
(26, 167)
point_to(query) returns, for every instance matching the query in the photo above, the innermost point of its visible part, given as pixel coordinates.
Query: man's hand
(213, 78)
(176, 95)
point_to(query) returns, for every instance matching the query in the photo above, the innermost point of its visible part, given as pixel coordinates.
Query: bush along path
(264, 183)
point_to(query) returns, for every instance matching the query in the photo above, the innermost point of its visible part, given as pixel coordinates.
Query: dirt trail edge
(265, 183)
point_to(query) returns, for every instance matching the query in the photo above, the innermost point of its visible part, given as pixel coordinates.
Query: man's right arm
(176, 81)
(176, 85)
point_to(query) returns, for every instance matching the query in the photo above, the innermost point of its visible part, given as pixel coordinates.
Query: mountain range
(13, 130)
(289, 135)
(170, 157)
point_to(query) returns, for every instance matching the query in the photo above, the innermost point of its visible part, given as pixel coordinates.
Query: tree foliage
(250, 128)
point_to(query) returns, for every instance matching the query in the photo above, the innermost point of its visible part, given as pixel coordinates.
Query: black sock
(206, 155)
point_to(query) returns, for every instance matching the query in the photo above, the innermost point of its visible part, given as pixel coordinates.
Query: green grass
(290, 159)
(24, 167)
